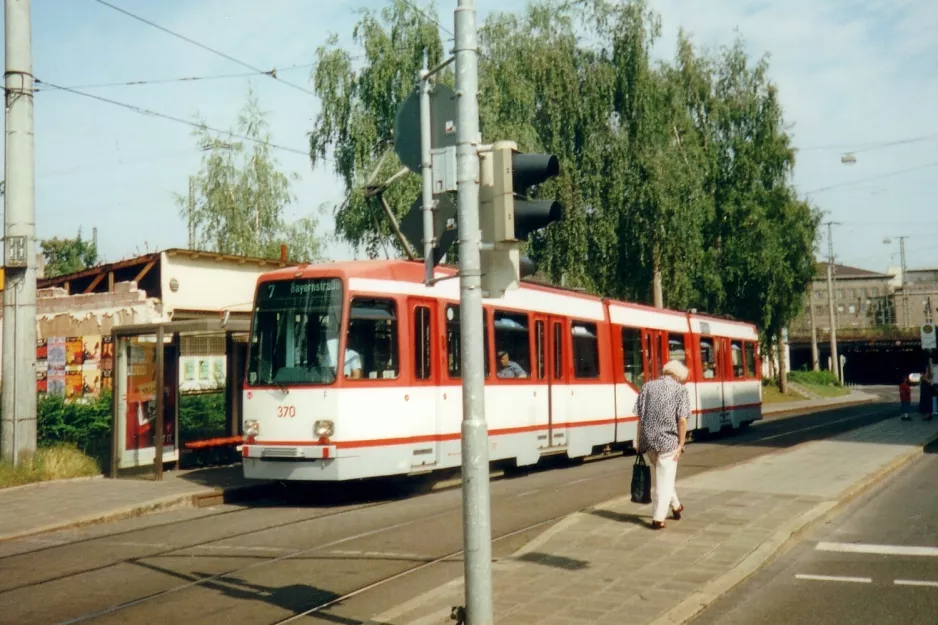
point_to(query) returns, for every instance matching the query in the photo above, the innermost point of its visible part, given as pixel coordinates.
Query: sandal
(677, 513)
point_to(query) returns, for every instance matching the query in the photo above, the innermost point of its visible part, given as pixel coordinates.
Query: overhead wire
(160, 81)
(143, 111)
(271, 73)
(869, 178)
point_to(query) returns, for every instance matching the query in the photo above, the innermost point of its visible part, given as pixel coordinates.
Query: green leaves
(680, 168)
(65, 256)
(239, 196)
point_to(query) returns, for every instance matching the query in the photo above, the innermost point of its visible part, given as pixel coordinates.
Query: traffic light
(507, 216)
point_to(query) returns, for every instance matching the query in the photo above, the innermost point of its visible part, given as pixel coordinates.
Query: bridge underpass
(876, 361)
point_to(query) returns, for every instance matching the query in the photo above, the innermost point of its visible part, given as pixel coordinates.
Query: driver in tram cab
(509, 368)
(353, 360)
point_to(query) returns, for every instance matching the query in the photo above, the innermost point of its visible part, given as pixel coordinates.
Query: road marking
(529, 492)
(915, 582)
(835, 578)
(889, 550)
(813, 427)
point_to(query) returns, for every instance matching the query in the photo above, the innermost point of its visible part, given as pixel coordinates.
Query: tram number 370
(286, 412)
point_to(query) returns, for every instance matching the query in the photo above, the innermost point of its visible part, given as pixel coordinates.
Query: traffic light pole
(477, 524)
(18, 427)
(426, 172)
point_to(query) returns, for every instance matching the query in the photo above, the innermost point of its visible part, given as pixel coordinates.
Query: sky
(853, 75)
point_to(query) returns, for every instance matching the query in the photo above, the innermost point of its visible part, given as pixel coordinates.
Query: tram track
(766, 437)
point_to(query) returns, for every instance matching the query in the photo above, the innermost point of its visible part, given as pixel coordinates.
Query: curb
(822, 407)
(782, 541)
(169, 503)
(68, 480)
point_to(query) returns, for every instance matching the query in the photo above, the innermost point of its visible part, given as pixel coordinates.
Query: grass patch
(50, 463)
(771, 395)
(827, 391)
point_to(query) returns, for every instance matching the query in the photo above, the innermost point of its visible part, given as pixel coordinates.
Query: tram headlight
(323, 429)
(252, 427)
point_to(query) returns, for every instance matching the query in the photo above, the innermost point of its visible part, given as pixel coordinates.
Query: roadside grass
(827, 391)
(771, 395)
(49, 463)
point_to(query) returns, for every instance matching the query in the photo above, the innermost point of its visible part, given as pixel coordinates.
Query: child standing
(905, 397)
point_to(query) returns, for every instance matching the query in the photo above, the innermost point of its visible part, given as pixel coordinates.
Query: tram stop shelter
(146, 389)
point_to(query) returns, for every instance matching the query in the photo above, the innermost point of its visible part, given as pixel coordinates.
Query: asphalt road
(877, 562)
(356, 551)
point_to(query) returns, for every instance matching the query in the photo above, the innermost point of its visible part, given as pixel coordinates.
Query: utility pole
(18, 431)
(835, 362)
(815, 359)
(477, 523)
(905, 290)
(191, 214)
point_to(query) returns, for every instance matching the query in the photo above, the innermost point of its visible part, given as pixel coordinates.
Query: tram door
(652, 353)
(558, 372)
(421, 403)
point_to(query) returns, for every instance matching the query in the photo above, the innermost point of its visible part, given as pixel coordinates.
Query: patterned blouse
(660, 404)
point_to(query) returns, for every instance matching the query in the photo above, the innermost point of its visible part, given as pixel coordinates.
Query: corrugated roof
(845, 271)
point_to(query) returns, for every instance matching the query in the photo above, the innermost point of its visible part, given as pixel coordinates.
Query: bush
(816, 378)
(201, 417)
(85, 427)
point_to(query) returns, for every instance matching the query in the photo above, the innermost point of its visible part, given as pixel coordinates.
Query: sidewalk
(605, 564)
(854, 397)
(49, 506)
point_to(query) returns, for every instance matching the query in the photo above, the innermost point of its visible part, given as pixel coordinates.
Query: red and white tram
(354, 372)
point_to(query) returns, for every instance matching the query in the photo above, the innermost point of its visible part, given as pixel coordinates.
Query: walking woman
(663, 408)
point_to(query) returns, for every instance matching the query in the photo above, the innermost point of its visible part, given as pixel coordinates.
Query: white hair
(676, 370)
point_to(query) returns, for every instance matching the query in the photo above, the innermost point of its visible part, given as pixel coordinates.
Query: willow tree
(671, 173)
(239, 196)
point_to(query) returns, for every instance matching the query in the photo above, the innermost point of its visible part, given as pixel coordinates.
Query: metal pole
(426, 171)
(815, 359)
(18, 431)
(905, 290)
(477, 524)
(191, 214)
(835, 362)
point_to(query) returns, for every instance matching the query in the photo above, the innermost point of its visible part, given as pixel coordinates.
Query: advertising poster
(56, 352)
(141, 399)
(91, 380)
(55, 381)
(73, 384)
(74, 351)
(42, 350)
(107, 380)
(91, 348)
(107, 352)
(42, 382)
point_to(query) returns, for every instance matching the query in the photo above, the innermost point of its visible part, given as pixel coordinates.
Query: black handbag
(641, 480)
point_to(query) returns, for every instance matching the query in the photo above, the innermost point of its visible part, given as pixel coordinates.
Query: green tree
(240, 196)
(64, 256)
(674, 172)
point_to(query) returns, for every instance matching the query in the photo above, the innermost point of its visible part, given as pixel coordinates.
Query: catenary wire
(203, 46)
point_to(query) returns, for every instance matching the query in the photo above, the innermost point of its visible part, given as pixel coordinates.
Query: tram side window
(585, 350)
(632, 356)
(558, 351)
(512, 345)
(422, 362)
(454, 342)
(708, 358)
(736, 352)
(750, 349)
(676, 349)
(371, 343)
(541, 338)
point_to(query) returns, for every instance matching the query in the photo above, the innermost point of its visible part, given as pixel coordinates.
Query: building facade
(862, 300)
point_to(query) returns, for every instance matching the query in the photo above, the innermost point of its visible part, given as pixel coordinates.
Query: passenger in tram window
(509, 368)
(353, 360)
(663, 408)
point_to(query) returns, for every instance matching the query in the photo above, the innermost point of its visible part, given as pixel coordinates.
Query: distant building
(862, 299)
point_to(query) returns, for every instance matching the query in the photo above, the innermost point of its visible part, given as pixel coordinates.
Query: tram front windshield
(295, 334)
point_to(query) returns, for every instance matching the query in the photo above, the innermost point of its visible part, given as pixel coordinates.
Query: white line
(529, 492)
(889, 550)
(834, 578)
(915, 582)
